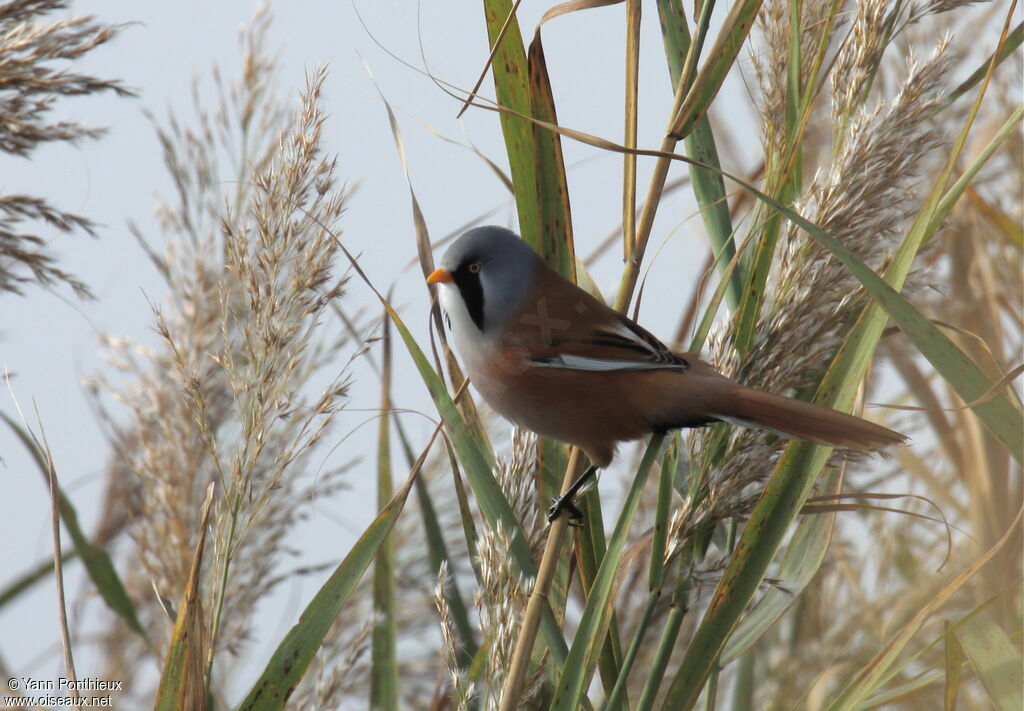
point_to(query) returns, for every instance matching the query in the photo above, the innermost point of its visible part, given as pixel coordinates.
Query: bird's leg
(564, 502)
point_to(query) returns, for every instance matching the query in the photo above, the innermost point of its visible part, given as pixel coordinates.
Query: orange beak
(440, 276)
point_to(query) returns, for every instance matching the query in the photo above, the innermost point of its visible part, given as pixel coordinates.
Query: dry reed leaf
(184, 678)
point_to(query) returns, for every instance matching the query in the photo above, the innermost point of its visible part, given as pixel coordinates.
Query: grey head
(494, 271)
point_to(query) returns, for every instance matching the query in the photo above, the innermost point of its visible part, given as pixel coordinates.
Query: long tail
(803, 420)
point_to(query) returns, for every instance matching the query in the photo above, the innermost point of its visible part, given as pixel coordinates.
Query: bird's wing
(615, 347)
(571, 330)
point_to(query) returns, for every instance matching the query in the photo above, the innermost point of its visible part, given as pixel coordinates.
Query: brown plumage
(552, 358)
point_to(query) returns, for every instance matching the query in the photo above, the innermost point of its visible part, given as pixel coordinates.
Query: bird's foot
(564, 503)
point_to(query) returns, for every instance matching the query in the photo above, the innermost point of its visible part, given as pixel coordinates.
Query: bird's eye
(474, 267)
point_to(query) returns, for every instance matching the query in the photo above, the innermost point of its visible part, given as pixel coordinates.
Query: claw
(564, 503)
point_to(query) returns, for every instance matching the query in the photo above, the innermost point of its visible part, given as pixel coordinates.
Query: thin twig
(58, 567)
(44, 448)
(633, 14)
(490, 59)
(513, 688)
(58, 564)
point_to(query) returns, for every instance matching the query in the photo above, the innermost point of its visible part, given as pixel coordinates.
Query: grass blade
(13, 590)
(590, 550)
(437, 550)
(667, 642)
(554, 241)
(799, 564)
(900, 693)
(181, 683)
(617, 697)
(954, 665)
(721, 58)
(384, 660)
(95, 559)
(633, 15)
(1013, 41)
(590, 633)
(708, 186)
(662, 521)
(866, 681)
(996, 660)
(512, 90)
(963, 182)
(655, 574)
(295, 652)
(479, 468)
(426, 260)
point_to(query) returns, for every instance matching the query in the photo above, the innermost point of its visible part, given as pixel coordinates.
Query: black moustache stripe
(472, 292)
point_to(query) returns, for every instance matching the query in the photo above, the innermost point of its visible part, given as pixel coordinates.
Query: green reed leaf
(721, 58)
(797, 566)
(96, 560)
(554, 241)
(708, 185)
(384, 657)
(293, 655)
(590, 633)
(512, 90)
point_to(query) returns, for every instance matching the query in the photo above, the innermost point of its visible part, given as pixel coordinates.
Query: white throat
(469, 341)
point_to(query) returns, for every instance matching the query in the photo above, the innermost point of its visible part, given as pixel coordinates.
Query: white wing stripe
(574, 362)
(624, 331)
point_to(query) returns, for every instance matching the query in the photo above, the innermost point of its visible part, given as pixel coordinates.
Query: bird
(553, 359)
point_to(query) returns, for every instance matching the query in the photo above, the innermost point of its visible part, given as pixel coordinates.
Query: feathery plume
(32, 82)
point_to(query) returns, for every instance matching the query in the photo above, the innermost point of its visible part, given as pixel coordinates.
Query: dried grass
(33, 80)
(864, 195)
(234, 392)
(501, 595)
